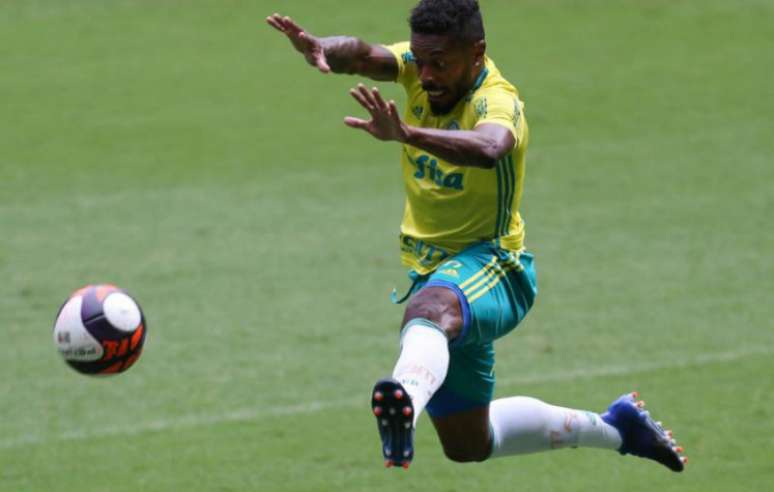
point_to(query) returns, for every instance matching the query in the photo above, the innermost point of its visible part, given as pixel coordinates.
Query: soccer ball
(100, 330)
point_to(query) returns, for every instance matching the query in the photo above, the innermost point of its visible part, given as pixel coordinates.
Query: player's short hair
(458, 18)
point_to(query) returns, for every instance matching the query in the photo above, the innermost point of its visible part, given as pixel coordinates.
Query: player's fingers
(353, 122)
(393, 109)
(281, 20)
(275, 23)
(378, 99)
(366, 94)
(291, 30)
(291, 25)
(359, 97)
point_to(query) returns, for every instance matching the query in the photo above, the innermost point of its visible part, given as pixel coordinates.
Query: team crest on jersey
(418, 110)
(480, 107)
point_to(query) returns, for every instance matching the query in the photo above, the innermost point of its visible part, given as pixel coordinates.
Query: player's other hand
(305, 43)
(385, 123)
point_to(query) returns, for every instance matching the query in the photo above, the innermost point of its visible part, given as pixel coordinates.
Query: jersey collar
(477, 84)
(480, 79)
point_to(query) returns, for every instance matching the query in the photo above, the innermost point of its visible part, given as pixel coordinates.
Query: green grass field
(183, 152)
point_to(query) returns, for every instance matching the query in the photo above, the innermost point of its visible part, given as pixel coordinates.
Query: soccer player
(463, 136)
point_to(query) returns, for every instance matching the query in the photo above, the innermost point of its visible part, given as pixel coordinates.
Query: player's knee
(424, 307)
(439, 305)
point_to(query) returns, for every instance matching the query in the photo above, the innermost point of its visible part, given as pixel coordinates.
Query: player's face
(447, 68)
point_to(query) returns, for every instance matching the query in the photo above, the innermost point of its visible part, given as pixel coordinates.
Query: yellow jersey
(450, 207)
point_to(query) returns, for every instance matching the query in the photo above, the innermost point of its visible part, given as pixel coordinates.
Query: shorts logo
(450, 272)
(427, 168)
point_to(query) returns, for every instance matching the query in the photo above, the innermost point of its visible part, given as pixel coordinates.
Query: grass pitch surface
(182, 151)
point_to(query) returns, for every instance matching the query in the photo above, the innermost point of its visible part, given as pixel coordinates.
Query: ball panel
(138, 337)
(92, 306)
(103, 290)
(132, 359)
(121, 311)
(71, 337)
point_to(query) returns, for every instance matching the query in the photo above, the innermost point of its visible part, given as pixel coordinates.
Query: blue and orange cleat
(641, 435)
(395, 420)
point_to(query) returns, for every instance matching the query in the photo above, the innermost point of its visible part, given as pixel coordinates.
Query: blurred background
(182, 150)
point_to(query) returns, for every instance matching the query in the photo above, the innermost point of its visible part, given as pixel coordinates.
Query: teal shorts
(496, 289)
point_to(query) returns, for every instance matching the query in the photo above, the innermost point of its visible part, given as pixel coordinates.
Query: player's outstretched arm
(338, 54)
(481, 147)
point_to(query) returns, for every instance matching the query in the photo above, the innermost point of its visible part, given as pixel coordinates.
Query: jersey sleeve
(500, 106)
(405, 59)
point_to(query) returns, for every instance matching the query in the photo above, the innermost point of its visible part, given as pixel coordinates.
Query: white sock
(525, 425)
(423, 361)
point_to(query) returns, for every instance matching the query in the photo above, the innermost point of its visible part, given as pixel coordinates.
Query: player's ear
(479, 49)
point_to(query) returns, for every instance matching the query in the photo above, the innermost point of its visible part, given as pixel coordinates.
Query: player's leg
(432, 317)
(436, 320)
(520, 425)
(472, 429)
(523, 425)
(465, 435)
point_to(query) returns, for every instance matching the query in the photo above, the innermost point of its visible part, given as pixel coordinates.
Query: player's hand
(385, 122)
(305, 43)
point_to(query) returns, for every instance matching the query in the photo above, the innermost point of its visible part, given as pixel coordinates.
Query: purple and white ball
(100, 329)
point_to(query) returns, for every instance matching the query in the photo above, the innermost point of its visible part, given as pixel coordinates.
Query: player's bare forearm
(339, 54)
(481, 147)
(346, 54)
